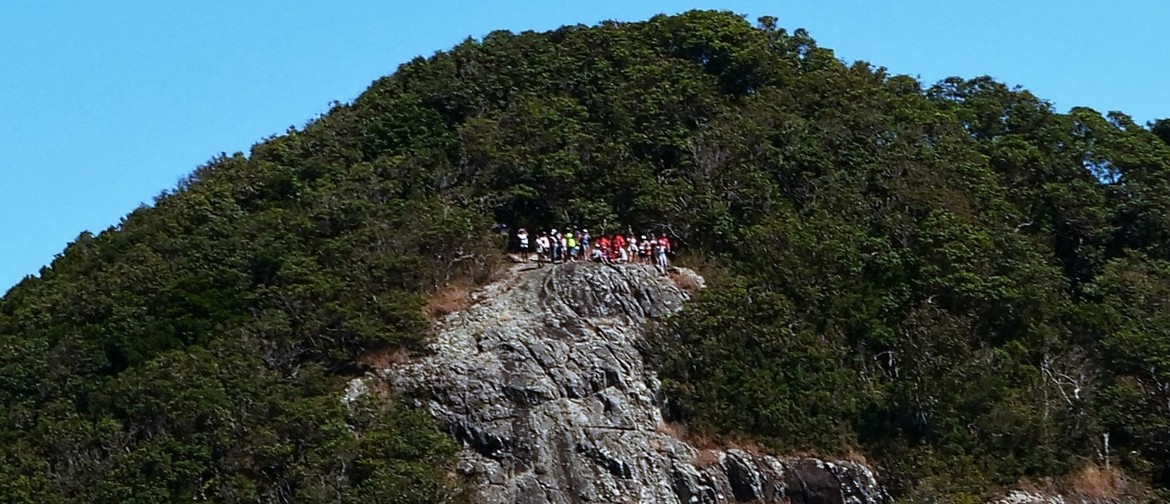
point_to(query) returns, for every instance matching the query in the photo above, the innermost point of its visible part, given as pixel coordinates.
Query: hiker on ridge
(661, 248)
(542, 249)
(571, 245)
(555, 240)
(619, 248)
(522, 236)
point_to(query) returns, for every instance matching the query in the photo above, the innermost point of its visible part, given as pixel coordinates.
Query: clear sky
(105, 104)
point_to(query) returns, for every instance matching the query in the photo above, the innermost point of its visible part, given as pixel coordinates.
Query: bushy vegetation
(955, 280)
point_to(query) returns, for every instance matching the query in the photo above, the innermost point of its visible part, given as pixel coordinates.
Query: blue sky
(105, 104)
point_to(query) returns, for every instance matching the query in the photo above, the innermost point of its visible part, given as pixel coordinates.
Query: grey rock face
(544, 384)
(1022, 497)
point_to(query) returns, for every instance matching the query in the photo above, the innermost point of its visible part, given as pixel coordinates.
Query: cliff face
(544, 384)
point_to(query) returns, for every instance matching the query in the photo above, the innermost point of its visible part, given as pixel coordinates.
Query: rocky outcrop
(543, 382)
(1112, 495)
(1022, 497)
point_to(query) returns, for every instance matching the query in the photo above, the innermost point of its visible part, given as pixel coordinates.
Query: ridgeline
(954, 281)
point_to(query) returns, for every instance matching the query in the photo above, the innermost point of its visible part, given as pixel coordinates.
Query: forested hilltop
(954, 280)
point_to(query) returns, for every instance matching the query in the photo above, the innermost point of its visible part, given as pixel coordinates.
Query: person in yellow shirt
(571, 244)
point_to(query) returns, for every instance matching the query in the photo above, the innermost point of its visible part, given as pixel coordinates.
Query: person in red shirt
(619, 248)
(604, 245)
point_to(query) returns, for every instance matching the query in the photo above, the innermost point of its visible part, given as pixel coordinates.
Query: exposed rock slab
(543, 382)
(1022, 497)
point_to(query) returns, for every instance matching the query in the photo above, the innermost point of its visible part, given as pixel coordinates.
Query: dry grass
(1096, 482)
(1091, 483)
(680, 432)
(450, 298)
(705, 266)
(380, 389)
(710, 446)
(746, 445)
(705, 458)
(855, 456)
(672, 429)
(706, 442)
(456, 294)
(383, 358)
(491, 272)
(685, 282)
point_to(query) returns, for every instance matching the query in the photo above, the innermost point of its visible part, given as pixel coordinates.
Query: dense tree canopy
(955, 280)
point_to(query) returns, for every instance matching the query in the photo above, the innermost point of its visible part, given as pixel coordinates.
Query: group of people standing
(554, 246)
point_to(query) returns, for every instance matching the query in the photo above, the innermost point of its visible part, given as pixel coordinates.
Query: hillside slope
(952, 280)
